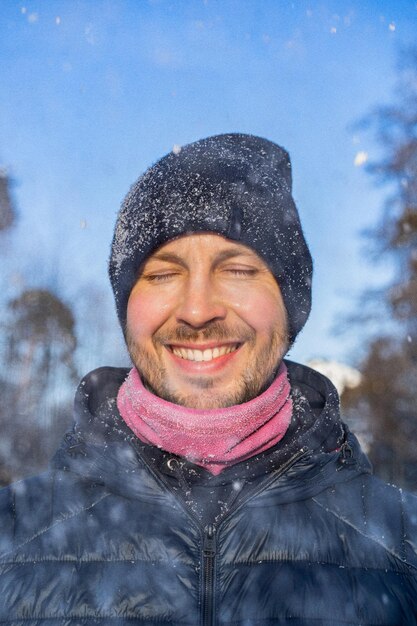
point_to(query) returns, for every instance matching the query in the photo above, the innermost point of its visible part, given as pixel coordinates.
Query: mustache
(213, 331)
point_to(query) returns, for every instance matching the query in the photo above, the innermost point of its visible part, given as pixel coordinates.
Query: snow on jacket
(103, 539)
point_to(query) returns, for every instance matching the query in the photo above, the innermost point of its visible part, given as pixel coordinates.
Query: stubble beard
(257, 377)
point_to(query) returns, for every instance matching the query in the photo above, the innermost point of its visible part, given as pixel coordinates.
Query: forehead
(203, 245)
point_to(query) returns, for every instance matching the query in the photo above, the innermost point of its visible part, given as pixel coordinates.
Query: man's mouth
(206, 354)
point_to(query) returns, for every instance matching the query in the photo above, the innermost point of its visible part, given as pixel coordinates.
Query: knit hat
(234, 185)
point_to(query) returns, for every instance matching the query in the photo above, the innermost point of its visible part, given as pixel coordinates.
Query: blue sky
(94, 92)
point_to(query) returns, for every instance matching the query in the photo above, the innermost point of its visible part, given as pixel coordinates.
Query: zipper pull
(346, 458)
(209, 546)
(75, 444)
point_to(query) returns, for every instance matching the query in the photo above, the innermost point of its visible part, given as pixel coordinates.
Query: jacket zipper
(209, 537)
(209, 544)
(209, 555)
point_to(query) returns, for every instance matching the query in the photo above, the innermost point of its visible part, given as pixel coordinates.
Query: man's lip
(200, 365)
(204, 346)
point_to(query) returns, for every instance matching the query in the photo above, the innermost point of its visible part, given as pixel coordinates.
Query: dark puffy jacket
(103, 539)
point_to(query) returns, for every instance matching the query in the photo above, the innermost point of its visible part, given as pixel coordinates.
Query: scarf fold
(212, 438)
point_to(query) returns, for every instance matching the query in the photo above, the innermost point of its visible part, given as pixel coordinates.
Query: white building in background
(345, 377)
(342, 376)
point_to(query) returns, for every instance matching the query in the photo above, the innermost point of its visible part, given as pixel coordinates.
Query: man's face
(206, 323)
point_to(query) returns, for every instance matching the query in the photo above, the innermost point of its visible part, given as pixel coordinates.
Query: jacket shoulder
(378, 512)
(30, 508)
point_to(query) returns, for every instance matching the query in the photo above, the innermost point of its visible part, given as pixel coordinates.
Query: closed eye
(242, 272)
(159, 278)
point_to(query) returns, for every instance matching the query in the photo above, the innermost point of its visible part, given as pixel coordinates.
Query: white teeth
(203, 355)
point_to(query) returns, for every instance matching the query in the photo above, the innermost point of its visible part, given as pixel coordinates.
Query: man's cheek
(259, 317)
(139, 314)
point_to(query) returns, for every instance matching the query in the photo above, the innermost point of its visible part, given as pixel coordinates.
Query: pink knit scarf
(214, 438)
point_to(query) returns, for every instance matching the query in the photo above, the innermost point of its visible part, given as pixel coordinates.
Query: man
(214, 483)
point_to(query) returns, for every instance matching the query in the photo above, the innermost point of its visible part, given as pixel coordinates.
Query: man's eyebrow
(169, 257)
(224, 255)
(233, 252)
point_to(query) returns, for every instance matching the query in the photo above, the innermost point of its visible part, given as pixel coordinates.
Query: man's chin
(205, 392)
(203, 401)
(205, 396)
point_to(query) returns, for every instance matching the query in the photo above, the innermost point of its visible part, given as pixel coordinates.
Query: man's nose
(201, 303)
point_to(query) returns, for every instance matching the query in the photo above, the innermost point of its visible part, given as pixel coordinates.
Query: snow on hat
(234, 185)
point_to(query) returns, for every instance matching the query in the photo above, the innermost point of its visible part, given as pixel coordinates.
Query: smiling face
(206, 323)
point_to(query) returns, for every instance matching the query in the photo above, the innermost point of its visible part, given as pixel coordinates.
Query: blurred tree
(7, 209)
(41, 336)
(8, 218)
(387, 395)
(38, 370)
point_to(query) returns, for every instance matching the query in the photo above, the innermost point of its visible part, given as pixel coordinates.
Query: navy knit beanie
(234, 185)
